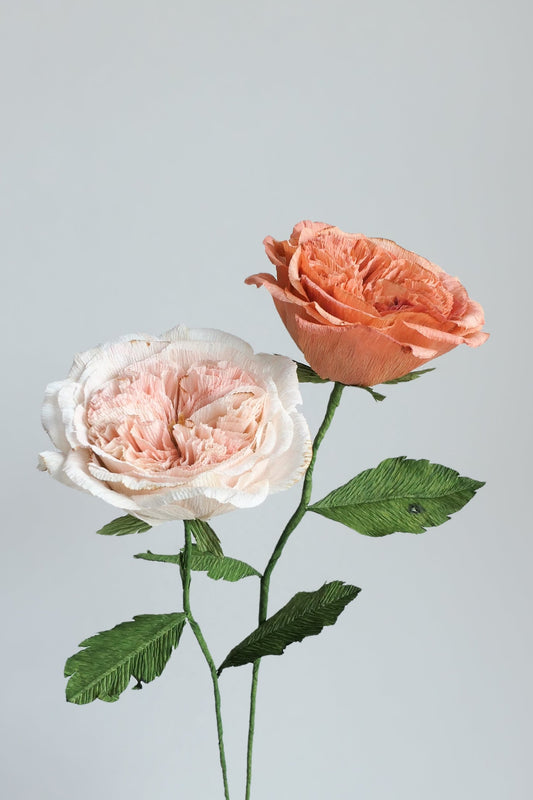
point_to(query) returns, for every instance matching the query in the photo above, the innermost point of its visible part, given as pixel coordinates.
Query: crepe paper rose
(186, 425)
(364, 310)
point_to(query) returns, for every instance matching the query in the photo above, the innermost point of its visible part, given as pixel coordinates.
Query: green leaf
(229, 569)
(124, 525)
(398, 495)
(167, 559)
(378, 397)
(305, 614)
(411, 376)
(205, 537)
(305, 374)
(138, 649)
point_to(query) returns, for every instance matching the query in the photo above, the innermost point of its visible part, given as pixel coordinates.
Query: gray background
(147, 148)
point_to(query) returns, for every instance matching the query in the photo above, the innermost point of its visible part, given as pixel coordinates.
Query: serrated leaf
(138, 649)
(229, 569)
(399, 494)
(411, 376)
(306, 614)
(205, 536)
(123, 526)
(305, 374)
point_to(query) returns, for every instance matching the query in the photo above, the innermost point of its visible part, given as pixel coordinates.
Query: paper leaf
(306, 614)
(138, 649)
(167, 559)
(229, 569)
(398, 495)
(305, 374)
(411, 376)
(378, 397)
(205, 536)
(123, 526)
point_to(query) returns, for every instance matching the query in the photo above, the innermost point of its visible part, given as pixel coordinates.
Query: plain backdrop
(146, 149)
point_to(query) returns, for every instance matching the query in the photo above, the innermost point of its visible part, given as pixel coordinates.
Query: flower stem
(186, 580)
(334, 400)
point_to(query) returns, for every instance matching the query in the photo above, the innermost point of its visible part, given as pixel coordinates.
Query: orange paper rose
(365, 310)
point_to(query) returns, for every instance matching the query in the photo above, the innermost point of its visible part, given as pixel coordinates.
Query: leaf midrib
(300, 616)
(382, 500)
(295, 617)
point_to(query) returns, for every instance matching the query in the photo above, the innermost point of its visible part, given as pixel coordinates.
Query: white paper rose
(186, 425)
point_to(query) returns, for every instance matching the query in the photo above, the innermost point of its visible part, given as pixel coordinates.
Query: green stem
(334, 400)
(186, 580)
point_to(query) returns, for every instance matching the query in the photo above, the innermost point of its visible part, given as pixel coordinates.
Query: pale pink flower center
(158, 418)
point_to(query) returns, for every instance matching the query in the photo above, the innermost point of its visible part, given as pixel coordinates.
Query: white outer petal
(287, 469)
(68, 398)
(114, 358)
(283, 373)
(51, 417)
(53, 462)
(180, 333)
(189, 503)
(71, 469)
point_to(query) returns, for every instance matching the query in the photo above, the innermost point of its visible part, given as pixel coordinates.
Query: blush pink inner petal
(157, 421)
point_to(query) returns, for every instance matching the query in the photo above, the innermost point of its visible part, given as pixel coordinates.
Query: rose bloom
(182, 426)
(364, 310)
